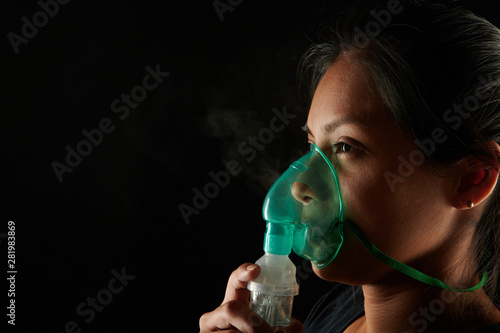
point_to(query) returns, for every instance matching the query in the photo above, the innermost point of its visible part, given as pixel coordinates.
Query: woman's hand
(234, 314)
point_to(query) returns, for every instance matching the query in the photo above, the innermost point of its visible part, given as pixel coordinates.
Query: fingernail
(252, 267)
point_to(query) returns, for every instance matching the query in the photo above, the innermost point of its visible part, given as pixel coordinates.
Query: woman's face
(409, 220)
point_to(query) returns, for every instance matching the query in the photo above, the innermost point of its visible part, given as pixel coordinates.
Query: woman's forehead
(346, 91)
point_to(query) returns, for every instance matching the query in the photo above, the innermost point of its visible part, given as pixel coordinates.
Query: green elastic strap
(405, 269)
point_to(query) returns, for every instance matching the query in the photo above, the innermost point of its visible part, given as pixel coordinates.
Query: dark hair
(436, 66)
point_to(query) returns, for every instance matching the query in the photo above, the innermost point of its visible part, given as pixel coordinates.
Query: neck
(400, 303)
(423, 309)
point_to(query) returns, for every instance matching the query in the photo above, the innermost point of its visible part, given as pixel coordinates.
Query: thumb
(238, 282)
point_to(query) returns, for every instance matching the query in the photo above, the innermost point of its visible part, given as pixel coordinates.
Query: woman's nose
(302, 193)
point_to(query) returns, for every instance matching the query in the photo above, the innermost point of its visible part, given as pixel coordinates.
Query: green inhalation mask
(303, 211)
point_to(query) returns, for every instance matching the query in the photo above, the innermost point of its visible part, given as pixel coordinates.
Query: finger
(295, 326)
(233, 315)
(238, 282)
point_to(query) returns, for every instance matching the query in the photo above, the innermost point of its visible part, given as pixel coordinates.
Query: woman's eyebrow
(335, 124)
(341, 122)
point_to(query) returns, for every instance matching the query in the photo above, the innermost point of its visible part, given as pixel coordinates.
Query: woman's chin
(353, 266)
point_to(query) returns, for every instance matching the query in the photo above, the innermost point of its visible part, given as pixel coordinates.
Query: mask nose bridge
(315, 174)
(300, 186)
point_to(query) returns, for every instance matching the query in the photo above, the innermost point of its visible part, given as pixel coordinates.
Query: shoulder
(495, 328)
(336, 309)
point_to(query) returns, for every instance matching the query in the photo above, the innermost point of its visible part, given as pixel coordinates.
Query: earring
(470, 204)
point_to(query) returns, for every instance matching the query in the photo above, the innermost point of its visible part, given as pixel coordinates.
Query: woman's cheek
(369, 203)
(352, 258)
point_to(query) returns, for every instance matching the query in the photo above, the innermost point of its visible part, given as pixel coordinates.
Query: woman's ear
(477, 180)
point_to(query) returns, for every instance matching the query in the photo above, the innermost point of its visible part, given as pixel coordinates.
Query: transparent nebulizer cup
(271, 294)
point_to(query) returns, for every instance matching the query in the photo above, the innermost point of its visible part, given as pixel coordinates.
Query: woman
(406, 101)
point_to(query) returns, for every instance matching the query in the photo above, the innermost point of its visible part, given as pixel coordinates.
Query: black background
(118, 209)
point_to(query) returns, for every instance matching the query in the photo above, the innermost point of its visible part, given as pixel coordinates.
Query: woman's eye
(342, 147)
